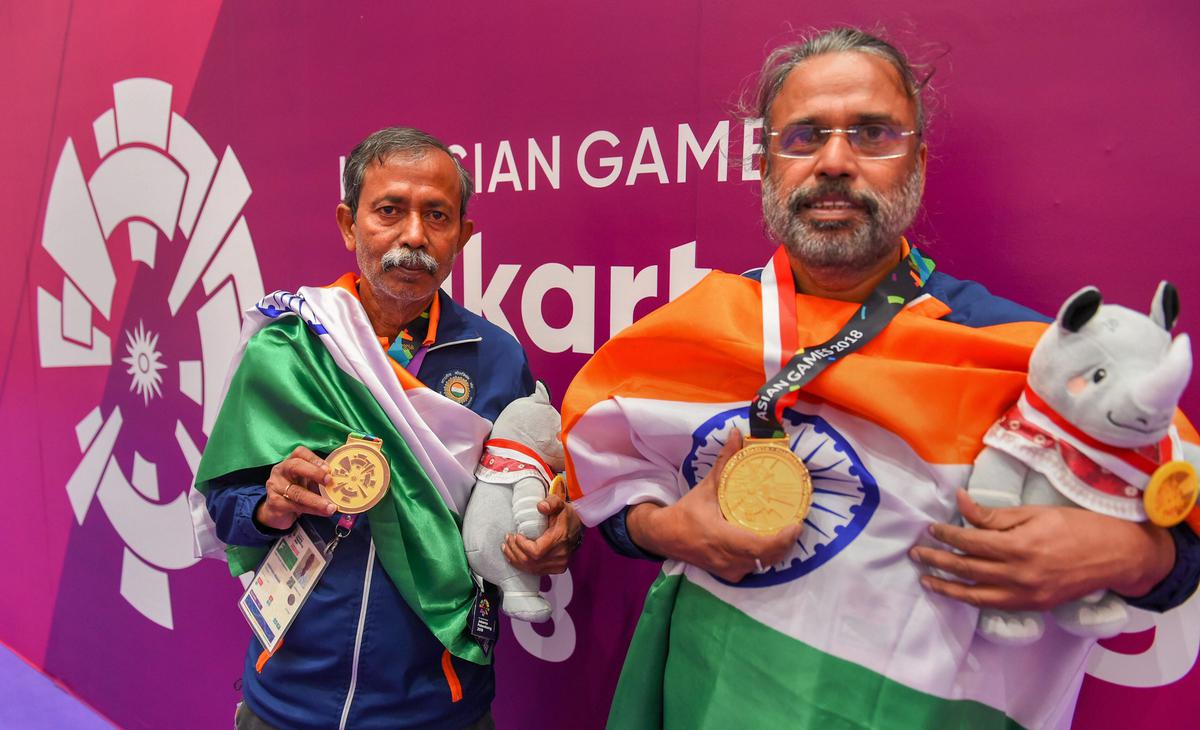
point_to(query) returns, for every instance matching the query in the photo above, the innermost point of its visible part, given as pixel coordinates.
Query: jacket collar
(453, 324)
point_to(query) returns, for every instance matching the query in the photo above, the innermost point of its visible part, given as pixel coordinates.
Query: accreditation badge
(283, 583)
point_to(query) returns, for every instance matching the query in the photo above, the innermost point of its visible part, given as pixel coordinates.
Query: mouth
(832, 202)
(832, 207)
(405, 266)
(1141, 428)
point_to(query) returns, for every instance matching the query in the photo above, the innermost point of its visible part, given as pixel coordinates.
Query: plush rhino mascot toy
(519, 462)
(1092, 426)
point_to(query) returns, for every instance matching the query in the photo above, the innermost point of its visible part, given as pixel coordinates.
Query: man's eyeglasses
(872, 141)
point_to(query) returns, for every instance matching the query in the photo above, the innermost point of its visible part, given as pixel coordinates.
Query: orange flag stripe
(937, 384)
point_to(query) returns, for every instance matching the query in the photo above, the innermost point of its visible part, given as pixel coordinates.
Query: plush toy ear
(1079, 308)
(1164, 309)
(542, 392)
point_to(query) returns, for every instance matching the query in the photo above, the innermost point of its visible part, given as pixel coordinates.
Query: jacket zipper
(453, 342)
(362, 620)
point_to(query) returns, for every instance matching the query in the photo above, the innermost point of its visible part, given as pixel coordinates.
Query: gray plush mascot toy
(519, 462)
(1093, 429)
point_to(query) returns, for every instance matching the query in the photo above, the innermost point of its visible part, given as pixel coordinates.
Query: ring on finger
(287, 489)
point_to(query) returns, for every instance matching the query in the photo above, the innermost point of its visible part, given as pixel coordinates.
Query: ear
(542, 392)
(345, 223)
(466, 229)
(922, 156)
(1079, 308)
(1164, 309)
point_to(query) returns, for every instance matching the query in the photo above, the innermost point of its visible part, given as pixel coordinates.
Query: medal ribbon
(801, 365)
(1146, 459)
(519, 452)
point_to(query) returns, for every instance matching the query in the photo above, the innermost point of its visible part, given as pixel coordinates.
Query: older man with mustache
(382, 641)
(881, 375)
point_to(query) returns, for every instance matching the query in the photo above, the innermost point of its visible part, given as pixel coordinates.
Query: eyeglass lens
(867, 140)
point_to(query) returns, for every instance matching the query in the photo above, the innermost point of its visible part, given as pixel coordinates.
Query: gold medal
(359, 475)
(558, 487)
(1171, 493)
(765, 487)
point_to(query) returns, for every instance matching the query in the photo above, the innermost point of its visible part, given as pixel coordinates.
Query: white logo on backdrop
(1169, 657)
(156, 177)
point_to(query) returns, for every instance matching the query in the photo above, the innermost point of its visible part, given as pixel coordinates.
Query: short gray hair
(382, 146)
(782, 60)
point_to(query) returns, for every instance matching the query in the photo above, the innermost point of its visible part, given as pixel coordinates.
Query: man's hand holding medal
(293, 489)
(694, 530)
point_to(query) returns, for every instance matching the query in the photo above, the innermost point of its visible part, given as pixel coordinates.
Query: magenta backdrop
(1063, 151)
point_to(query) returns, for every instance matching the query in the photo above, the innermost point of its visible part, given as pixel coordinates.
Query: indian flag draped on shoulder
(841, 633)
(309, 371)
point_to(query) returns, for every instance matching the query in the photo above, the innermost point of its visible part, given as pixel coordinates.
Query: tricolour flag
(309, 371)
(840, 634)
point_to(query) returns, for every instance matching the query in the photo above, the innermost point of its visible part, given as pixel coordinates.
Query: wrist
(264, 522)
(648, 525)
(1151, 560)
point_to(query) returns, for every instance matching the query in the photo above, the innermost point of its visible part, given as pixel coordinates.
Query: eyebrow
(868, 118)
(877, 118)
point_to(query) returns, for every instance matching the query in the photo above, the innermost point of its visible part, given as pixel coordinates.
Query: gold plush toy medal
(1171, 493)
(359, 475)
(765, 487)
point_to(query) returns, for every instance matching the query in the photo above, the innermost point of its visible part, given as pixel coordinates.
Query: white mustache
(408, 258)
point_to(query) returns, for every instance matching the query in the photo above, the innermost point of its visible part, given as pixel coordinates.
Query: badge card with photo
(282, 584)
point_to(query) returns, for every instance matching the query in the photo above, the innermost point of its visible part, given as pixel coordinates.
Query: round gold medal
(359, 475)
(765, 487)
(1171, 493)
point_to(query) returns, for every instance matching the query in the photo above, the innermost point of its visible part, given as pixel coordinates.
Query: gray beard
(842, 248)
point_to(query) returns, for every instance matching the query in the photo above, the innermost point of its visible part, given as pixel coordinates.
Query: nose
(836, 158)
(412, 230)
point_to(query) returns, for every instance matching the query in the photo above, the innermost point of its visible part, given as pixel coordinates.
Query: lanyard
(345, 524)
(898, 288)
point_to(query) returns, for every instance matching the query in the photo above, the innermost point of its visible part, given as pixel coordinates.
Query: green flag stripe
(288, 391)
(698, 662)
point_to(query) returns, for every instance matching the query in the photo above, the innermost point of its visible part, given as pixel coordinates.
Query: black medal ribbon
(897, 289)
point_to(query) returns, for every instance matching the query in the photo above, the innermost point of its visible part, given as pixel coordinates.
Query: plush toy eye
(1099, 375)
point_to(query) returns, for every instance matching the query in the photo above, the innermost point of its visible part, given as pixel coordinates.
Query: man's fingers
(966, 567)
(989, 518)
(302, 499)
(781, 543)
(771, 549)
(303, 452)
(540, 547)
(982, 596)
(297, 469)
(733, 444)
(989, 544)
(734, 574)
(518, 550)
(551, 505)
(509, 555)
(745, 551)
(520, 553)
